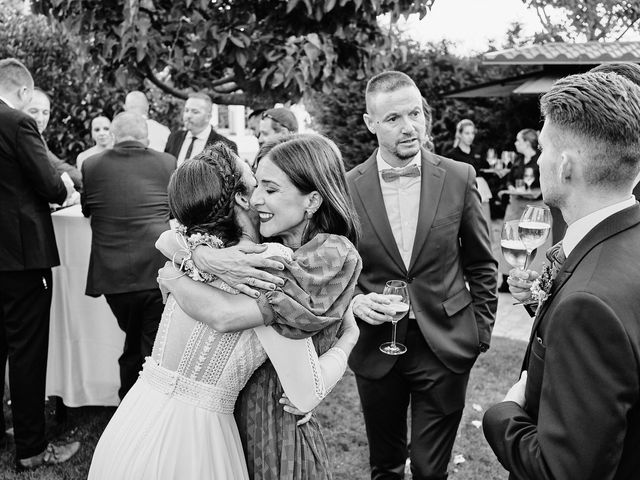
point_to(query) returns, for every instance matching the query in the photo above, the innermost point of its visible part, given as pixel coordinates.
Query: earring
(308, 214)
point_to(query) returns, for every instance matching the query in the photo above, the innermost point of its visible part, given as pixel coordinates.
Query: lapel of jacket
(430, 191)
(611, 226)
(367, 186)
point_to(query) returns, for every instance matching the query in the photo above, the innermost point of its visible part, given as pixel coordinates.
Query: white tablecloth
(85, 340)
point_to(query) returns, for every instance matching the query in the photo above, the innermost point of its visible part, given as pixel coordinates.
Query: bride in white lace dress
(177, 421)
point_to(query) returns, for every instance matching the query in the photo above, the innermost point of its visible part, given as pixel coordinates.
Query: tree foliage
(586, 20)
(55, 59)
(240, 51)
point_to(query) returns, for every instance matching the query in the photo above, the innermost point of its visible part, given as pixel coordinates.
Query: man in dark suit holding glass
(575, 413)
(125, 194)
(422, 223)
(28, 183)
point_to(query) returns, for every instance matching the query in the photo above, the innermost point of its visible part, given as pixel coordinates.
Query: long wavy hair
(202, 193)
(314, 163)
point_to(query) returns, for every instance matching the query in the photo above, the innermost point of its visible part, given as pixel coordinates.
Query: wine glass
(396, 287)
(534, 227)
(513, 249)
(529, 177)
(491, 157)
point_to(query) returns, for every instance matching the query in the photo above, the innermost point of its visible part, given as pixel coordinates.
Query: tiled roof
(588, 53)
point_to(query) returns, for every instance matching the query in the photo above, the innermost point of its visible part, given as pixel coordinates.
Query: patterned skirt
(275, 447)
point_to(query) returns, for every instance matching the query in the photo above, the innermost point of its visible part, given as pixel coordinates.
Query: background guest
(463, 150)
(277, 121)
(28, 250)
(125, 194)
(253, 121)
(197, 132)
(137, 102)
(39, 108)
(101, 135)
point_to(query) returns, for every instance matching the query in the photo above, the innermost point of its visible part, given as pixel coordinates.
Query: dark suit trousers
(437, 399)
(138, 315)
(25, 302)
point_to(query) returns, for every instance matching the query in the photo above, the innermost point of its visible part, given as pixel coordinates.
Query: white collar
(579, 229)
(203, 135)
(5, 100)
(383, 165)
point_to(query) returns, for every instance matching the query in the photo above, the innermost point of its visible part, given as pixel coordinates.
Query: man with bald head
(125, 194)
(422, 223)
(136, 102)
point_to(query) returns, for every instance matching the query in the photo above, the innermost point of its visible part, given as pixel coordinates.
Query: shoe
(52, 455)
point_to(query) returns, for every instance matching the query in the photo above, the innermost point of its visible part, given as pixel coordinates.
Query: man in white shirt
(575, 413)
(422, 222)
(137, 102)
(198, 133)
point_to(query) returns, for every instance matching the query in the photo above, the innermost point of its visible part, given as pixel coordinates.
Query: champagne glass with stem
(513, 249)
(401, 306)
(534, 228)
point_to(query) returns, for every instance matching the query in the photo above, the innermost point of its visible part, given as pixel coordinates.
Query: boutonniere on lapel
(541, 286)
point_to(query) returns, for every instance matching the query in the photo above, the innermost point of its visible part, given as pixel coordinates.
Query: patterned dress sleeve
(319, 285)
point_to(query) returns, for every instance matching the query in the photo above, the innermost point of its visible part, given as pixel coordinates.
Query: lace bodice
(209, 368)
(194, 350)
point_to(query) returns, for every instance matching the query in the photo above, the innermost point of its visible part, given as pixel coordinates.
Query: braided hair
(202, 193)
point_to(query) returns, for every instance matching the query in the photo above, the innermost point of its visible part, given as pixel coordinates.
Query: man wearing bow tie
(422, 222)
(575, 413)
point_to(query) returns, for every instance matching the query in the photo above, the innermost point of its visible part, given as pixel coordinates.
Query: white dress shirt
(402, 202)
(579, 229)
(7, 102)
(198, 145)
(158, 135)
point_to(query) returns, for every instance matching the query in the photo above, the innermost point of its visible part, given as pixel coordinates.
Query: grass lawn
(494, 372)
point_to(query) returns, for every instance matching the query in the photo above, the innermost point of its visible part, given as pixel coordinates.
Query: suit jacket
(451, 245)
(125, 193)
(176, 139)
(582, 413)
(27, 184)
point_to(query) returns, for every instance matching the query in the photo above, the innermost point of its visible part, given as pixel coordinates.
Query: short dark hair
(386, 82)
(602, 110)
(630, 71)
(13, 74)
(202, 193)
(313, 162)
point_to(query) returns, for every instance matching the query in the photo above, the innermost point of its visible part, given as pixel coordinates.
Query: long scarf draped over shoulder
(319, 285)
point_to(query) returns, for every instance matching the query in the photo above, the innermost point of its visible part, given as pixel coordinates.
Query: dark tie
(391, 174)
(187, 156)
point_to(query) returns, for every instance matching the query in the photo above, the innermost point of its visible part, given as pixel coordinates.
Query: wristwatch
(483, 347)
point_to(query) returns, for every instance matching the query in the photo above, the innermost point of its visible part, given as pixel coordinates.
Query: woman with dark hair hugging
(177, 421)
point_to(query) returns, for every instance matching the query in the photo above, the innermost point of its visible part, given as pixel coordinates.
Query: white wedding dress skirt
(177, 420)
(197, 443)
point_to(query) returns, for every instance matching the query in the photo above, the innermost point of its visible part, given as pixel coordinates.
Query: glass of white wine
(513, 250)
(534, 228)
(401, 306)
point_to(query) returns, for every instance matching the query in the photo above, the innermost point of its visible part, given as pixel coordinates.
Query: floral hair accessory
(188, 244)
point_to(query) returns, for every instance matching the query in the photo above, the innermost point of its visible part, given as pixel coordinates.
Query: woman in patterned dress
(177, 421)
(300, 178)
